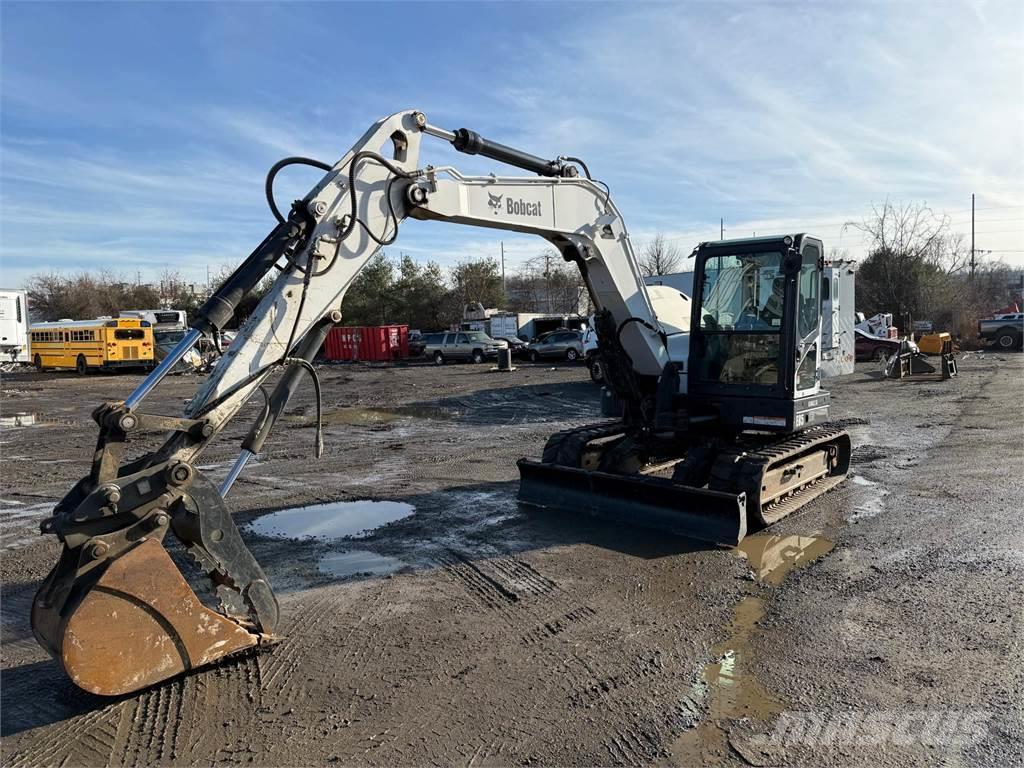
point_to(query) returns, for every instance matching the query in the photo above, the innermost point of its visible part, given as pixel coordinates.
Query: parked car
(565, 345)
(518, 346)
(417, 343)
(461, 345)
(1005, 331)
(868, 347)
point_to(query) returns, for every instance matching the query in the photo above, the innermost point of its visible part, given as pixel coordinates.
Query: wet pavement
(430, 618)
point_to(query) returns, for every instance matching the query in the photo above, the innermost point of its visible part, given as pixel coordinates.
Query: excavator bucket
(648, 502)
(137, 624)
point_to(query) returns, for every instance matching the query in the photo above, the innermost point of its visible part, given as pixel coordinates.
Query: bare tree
(905, 272)
(918, 269)
(86, 295)
(546, 283)
(659, 257)
(910, 230)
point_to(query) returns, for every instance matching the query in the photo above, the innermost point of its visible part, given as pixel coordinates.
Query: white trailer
(837, 318)
(681, 281)
(504, 325)
(13, 326)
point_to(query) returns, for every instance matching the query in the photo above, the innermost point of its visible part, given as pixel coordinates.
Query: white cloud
(775, 117)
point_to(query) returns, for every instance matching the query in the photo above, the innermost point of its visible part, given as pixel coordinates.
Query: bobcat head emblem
(494, 201)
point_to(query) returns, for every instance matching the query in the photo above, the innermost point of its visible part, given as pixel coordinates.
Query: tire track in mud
(83, 740)
(287, 655)
(505, 586)
(160, 725)
(305, 641)
(482, 588)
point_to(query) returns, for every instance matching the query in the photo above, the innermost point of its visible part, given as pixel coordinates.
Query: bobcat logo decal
(494, 201)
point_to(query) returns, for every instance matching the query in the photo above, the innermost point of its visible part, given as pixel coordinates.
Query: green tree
(421, 294)
(371, 299)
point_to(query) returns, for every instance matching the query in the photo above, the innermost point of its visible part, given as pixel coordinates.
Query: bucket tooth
(138, 624)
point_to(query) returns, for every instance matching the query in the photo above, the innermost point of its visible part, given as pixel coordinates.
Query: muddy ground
(880, 626)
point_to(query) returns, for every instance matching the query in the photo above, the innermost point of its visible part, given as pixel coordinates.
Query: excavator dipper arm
(115, 610)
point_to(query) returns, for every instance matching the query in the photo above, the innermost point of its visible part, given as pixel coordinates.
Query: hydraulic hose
(276, 168)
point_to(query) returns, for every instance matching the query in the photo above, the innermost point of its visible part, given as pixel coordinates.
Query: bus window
(129, 333)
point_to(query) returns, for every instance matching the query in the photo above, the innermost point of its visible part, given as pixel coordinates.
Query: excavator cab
(755, 333)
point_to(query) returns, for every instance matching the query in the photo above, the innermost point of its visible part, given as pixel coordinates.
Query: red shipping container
(370, 343)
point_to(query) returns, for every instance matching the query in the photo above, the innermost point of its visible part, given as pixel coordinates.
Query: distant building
(681, 281)
(561, 300)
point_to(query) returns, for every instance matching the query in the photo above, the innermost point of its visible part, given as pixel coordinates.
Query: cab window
(808, 300)
(742, 304)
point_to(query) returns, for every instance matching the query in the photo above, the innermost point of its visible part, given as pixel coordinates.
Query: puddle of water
(771, 557)
(336, 520)
(733, 690)
(15, 420)
(359, 561)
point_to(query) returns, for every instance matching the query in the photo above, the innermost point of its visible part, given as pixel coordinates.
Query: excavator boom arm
(115, 610)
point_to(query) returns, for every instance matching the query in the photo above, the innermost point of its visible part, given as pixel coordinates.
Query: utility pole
(721, 229)
(972, 234)
(547, 278)
(503, 270)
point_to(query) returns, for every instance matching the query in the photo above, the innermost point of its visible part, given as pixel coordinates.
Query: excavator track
(753, 484)
(781, 476)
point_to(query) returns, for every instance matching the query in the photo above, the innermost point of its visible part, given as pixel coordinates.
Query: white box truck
(13, 326)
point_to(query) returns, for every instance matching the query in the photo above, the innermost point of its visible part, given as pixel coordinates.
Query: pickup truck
(1005, 331)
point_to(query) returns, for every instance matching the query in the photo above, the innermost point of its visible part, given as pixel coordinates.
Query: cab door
(462, 346)
(809, 311)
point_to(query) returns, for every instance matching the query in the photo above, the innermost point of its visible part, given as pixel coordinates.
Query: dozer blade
(139, 623)
(649, 502)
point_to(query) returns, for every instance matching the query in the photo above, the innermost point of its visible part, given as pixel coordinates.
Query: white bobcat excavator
(721, 425)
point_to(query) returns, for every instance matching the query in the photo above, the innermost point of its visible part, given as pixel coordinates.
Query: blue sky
(136, 136)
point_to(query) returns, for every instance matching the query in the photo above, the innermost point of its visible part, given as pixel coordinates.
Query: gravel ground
(881, 625)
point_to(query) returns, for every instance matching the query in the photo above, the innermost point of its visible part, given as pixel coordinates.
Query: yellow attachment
(931, 343)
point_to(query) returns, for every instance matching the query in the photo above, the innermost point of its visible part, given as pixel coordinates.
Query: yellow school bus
(92, 345)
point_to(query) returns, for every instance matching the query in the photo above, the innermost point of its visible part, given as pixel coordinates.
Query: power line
(998, 231)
